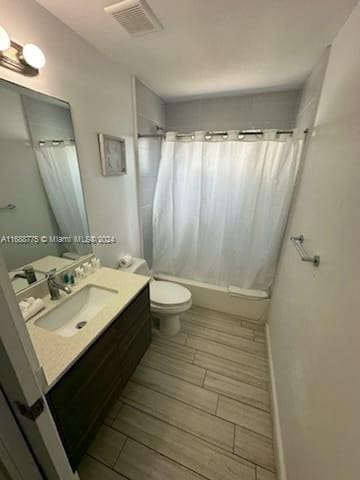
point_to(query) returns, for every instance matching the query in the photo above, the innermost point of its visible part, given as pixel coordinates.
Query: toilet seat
(168, 300)
(168, 294)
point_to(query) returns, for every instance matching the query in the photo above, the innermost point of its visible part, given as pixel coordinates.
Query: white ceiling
(212, 47)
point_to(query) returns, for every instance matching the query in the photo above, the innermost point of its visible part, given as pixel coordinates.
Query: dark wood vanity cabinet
(81, 399)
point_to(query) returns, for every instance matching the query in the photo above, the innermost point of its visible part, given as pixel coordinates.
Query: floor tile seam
(236, 364)
(197, 437)
(236, 400)
(172, 397)
(255, 355)
(225, 332)
(170, 374)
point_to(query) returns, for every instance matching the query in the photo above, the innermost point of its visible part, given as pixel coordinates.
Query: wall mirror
(42, 211)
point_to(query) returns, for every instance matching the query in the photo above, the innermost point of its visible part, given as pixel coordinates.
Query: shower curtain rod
(221, 133)
(55, 142)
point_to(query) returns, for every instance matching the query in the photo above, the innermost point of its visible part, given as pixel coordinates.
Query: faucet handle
(50, 274)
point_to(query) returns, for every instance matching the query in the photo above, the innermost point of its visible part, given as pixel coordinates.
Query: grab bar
(298, 241)
(9, 206)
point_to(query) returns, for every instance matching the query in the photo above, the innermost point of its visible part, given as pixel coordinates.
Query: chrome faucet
(28, 273)
(55, 287)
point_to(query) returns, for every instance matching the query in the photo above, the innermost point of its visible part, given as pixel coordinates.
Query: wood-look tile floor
(197, 407)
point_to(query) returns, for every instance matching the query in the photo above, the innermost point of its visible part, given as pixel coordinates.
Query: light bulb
(33, 56)
(4, 39)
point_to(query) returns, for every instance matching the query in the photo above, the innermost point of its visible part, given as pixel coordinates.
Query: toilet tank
(139, 266)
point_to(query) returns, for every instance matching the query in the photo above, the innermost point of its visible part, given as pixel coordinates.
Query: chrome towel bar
(298, 244)
(9, 206)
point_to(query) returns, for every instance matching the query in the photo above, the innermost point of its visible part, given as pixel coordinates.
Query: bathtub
(250, 304)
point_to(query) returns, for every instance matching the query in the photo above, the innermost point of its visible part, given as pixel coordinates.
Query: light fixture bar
(27, 60)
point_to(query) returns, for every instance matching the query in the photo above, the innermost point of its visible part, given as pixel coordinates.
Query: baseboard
(278, 443)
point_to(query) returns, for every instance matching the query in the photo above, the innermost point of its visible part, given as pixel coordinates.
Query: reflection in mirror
(41, 199)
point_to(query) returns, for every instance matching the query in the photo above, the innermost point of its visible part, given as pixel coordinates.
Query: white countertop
(57, 354)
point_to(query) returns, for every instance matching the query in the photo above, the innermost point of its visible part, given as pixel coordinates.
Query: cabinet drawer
(134, 313)
(68, 386)
(77, 417)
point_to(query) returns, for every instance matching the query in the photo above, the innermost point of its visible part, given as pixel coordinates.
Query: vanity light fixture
(27, 60)
(33, 56)
(4, 39)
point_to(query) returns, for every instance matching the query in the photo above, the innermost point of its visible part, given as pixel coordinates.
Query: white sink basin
(76, 312)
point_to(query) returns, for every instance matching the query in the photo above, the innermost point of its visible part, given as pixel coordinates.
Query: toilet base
(169, 325)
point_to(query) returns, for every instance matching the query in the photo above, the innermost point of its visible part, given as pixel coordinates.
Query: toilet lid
(168, 293)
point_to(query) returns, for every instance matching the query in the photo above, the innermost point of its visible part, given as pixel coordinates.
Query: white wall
(262, 110)
(314, 316)
(99, 92)
(311, 92)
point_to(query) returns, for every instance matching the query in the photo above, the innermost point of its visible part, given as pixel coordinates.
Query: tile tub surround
(197, 407)
(57, 354)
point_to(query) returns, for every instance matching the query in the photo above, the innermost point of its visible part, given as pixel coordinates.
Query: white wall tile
(147, 190)
(263, 110)
(149, 105)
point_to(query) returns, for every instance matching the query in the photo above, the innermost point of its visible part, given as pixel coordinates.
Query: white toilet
(168, 300)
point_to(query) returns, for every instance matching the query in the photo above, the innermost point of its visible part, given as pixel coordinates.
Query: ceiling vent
(135, 16)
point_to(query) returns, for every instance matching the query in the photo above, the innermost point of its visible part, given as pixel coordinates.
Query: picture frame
(112, 155)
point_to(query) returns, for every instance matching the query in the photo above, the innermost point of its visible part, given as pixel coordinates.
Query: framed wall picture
(112, 155)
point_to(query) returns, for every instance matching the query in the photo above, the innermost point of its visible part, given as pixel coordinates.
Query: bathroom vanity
(86, 371)
(89, 338)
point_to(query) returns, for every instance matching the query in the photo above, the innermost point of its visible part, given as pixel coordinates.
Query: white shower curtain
(220, 207)
(60, 174)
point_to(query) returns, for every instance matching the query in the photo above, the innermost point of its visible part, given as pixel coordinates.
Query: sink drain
(80, 325)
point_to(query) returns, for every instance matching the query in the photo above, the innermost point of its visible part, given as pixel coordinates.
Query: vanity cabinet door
(81, 399)
(79, 418)
(131, 357)
(135, 334)
(134, 314)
